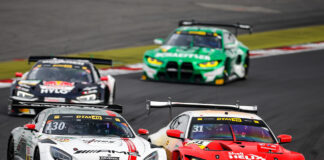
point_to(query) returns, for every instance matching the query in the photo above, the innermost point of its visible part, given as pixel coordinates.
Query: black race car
(58, 81)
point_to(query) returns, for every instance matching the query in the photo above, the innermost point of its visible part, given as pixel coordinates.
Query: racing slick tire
(11, 149)
(246, 65)
(36, 154)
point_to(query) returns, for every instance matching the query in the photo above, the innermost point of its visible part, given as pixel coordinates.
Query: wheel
(36, 154)
(246, 65)
(11, 149)
(114, 94)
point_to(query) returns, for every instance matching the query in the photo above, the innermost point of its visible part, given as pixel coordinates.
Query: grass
(131, 55)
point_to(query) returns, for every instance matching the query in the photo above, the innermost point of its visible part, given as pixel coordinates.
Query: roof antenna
(148, 107)
(238, 104)
(170, 107)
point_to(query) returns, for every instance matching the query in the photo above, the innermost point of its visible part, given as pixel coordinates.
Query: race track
(288, 90)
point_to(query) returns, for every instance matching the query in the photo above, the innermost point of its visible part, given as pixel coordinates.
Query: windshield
(60, 72)
(218, 128)
(87, 125)
(194, 40)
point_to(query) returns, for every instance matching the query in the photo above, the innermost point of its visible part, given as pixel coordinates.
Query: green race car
(198, 53)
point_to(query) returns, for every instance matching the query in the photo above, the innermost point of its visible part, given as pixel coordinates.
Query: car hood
(56, 88)
(234, 150)
(100, 147)
(174, 53)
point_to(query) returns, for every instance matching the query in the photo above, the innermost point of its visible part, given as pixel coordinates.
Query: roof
(221, 113)
(201, 28)
(79, 110)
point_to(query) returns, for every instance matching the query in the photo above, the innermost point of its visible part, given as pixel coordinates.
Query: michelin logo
(183, 55)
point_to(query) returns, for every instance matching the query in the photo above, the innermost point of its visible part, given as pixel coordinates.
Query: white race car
(80, 134)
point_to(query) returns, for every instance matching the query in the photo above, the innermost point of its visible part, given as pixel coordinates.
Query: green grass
(131, 55)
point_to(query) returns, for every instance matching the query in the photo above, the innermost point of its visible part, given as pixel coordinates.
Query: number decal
(56, 126)
(198, 128)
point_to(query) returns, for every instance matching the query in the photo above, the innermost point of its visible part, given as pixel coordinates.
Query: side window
(180, 123)
(39, 120)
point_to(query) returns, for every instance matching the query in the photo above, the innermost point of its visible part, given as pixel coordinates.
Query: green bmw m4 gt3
(198, 53)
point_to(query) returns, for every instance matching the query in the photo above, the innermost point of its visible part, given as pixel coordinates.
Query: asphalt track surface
(288, 89)
(47, 27)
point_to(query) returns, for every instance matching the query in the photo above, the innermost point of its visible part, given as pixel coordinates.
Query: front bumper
(184, 73)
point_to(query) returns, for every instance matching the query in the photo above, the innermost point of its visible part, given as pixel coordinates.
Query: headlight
(58, 154)
(24, 95)
(154, 61)
(153, 156)
(209, 64)
(89, 97)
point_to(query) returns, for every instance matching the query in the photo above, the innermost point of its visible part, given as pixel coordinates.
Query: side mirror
(104, 78)
(174, 133)
(29, 127)
(158, 41)
(19, 74)
(284, 138)
(143, 131)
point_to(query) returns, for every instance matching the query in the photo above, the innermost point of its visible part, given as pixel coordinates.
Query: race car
(55, 80)
(76, 133)
(198, 52)
(226, 132)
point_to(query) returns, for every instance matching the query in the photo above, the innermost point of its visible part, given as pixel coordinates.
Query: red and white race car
(228, 132)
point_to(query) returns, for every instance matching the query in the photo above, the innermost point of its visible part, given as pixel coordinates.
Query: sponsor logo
(58, 83)
(108, 151)
(230, 119)
(56, 87)
(89, 117)
(239, 156)
(97, 141)
(183, 55)
(108, 157)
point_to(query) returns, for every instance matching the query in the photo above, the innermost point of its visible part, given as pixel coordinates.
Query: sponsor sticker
(230, 119)
(94, 117)
(242, 156)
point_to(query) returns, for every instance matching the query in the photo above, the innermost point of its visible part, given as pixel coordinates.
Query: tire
(36, 154)
(114, 94)
(11, 149)
(246, 65)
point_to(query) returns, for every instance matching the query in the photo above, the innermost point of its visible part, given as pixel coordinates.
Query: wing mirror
(284, 138)
(143, 131)
(158, 41)
(174, 133)
(104, 78)
(29, 127)
(19, 74)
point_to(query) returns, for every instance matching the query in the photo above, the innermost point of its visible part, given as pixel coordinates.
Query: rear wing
(113, 107)
(92, 60)
(170, 105)
(236, 25)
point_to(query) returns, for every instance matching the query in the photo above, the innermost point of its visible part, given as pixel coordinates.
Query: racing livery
(55, 80)
(227, 133)
(80, 134)
(198, 53)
